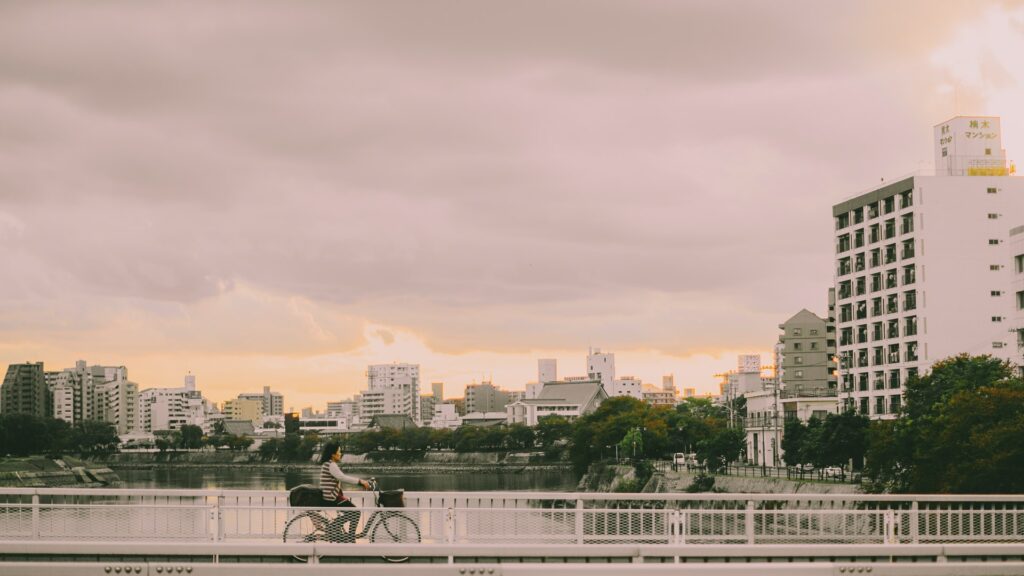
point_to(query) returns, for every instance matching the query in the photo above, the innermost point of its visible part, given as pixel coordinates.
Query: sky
(281, 193)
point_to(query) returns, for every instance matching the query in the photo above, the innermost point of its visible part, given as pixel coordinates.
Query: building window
(910, 326)
(894, 378)
(991, 190)
(992, 216)
(797, 332)
(988, 151)
(814, 331)
(911, 351)
(880, 405)
(995, 267)
(814, 345)
(894, 404)
(1020, 300)
(799, 374)
(993, 241)
(945, 152)
(798, 359)
(997, 318)
(996, 293)
(797, 346)
(864, 406)
(997, 344)
(1019, 262)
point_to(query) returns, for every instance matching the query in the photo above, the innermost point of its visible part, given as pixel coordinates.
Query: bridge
(128, 531)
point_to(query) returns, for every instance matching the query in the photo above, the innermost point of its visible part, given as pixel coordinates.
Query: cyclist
(331, 478)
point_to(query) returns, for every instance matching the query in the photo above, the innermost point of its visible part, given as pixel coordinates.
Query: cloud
(184, 180)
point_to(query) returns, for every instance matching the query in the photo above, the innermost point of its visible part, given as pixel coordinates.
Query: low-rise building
(567, 399)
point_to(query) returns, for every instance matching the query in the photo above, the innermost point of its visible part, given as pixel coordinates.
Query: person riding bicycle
(331, 478)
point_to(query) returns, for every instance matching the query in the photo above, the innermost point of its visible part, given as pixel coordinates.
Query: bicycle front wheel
(395, 528)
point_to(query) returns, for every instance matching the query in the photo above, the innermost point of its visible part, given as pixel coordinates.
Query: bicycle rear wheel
(307, 526)
(395, 528)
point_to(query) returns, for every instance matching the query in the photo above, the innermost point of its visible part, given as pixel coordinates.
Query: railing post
(914, 528)
(750, 522)
(890, 527)
(449, 525)
(675, 530)
(579, 521)
(218, 519)
(35, 517)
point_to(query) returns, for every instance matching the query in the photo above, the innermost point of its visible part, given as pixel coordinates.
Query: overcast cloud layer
(271, 191)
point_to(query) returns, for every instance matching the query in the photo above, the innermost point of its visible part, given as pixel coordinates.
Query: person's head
(330, 449)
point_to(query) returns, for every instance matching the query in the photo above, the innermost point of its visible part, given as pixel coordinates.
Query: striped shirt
(331, 478)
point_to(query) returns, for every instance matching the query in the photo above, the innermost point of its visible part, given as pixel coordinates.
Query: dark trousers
(346, 525)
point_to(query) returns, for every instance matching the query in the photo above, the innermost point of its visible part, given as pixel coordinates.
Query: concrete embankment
(679, 481)
(610, 478)
(54, 473)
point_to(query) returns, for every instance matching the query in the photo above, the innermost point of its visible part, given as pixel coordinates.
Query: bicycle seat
(305, 495)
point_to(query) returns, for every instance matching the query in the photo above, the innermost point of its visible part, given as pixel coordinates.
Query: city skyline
(293, 193)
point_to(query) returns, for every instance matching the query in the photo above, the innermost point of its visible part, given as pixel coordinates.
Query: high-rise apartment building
(391, 389)
(923, 267)
(101, 393)
(24, 390)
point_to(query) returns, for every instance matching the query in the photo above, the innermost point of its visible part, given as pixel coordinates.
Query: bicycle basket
(392, 498)
(305, 495)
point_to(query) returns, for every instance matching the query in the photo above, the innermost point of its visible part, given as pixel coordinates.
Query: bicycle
(384, 525)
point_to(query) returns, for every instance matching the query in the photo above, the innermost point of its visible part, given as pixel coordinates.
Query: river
(270, 479)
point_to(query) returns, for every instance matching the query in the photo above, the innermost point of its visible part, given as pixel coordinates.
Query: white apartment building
(1017, 293)
(547, 370)
(100, 393)
(391, 389)
(172, 408)
(445, 416)
(626, 386)
(600, 367)
(923, 267)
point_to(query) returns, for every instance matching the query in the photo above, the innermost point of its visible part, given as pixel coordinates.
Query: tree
(190, 436)
(722, 447)
(551, 429)
(519, 437)
(94, 438)
(794, 434)
(959, 432)
(843, 440)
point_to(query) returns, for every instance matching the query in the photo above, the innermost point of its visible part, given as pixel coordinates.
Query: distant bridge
(223, 531)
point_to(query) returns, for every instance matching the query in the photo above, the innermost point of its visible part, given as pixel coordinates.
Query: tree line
(29, 435)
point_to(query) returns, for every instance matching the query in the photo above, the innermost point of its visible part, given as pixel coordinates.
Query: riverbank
(429, 462)
(55, 473)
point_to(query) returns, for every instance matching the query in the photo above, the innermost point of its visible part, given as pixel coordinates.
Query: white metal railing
(524, 517)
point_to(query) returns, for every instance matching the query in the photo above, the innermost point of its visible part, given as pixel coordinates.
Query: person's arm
(338, 474)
